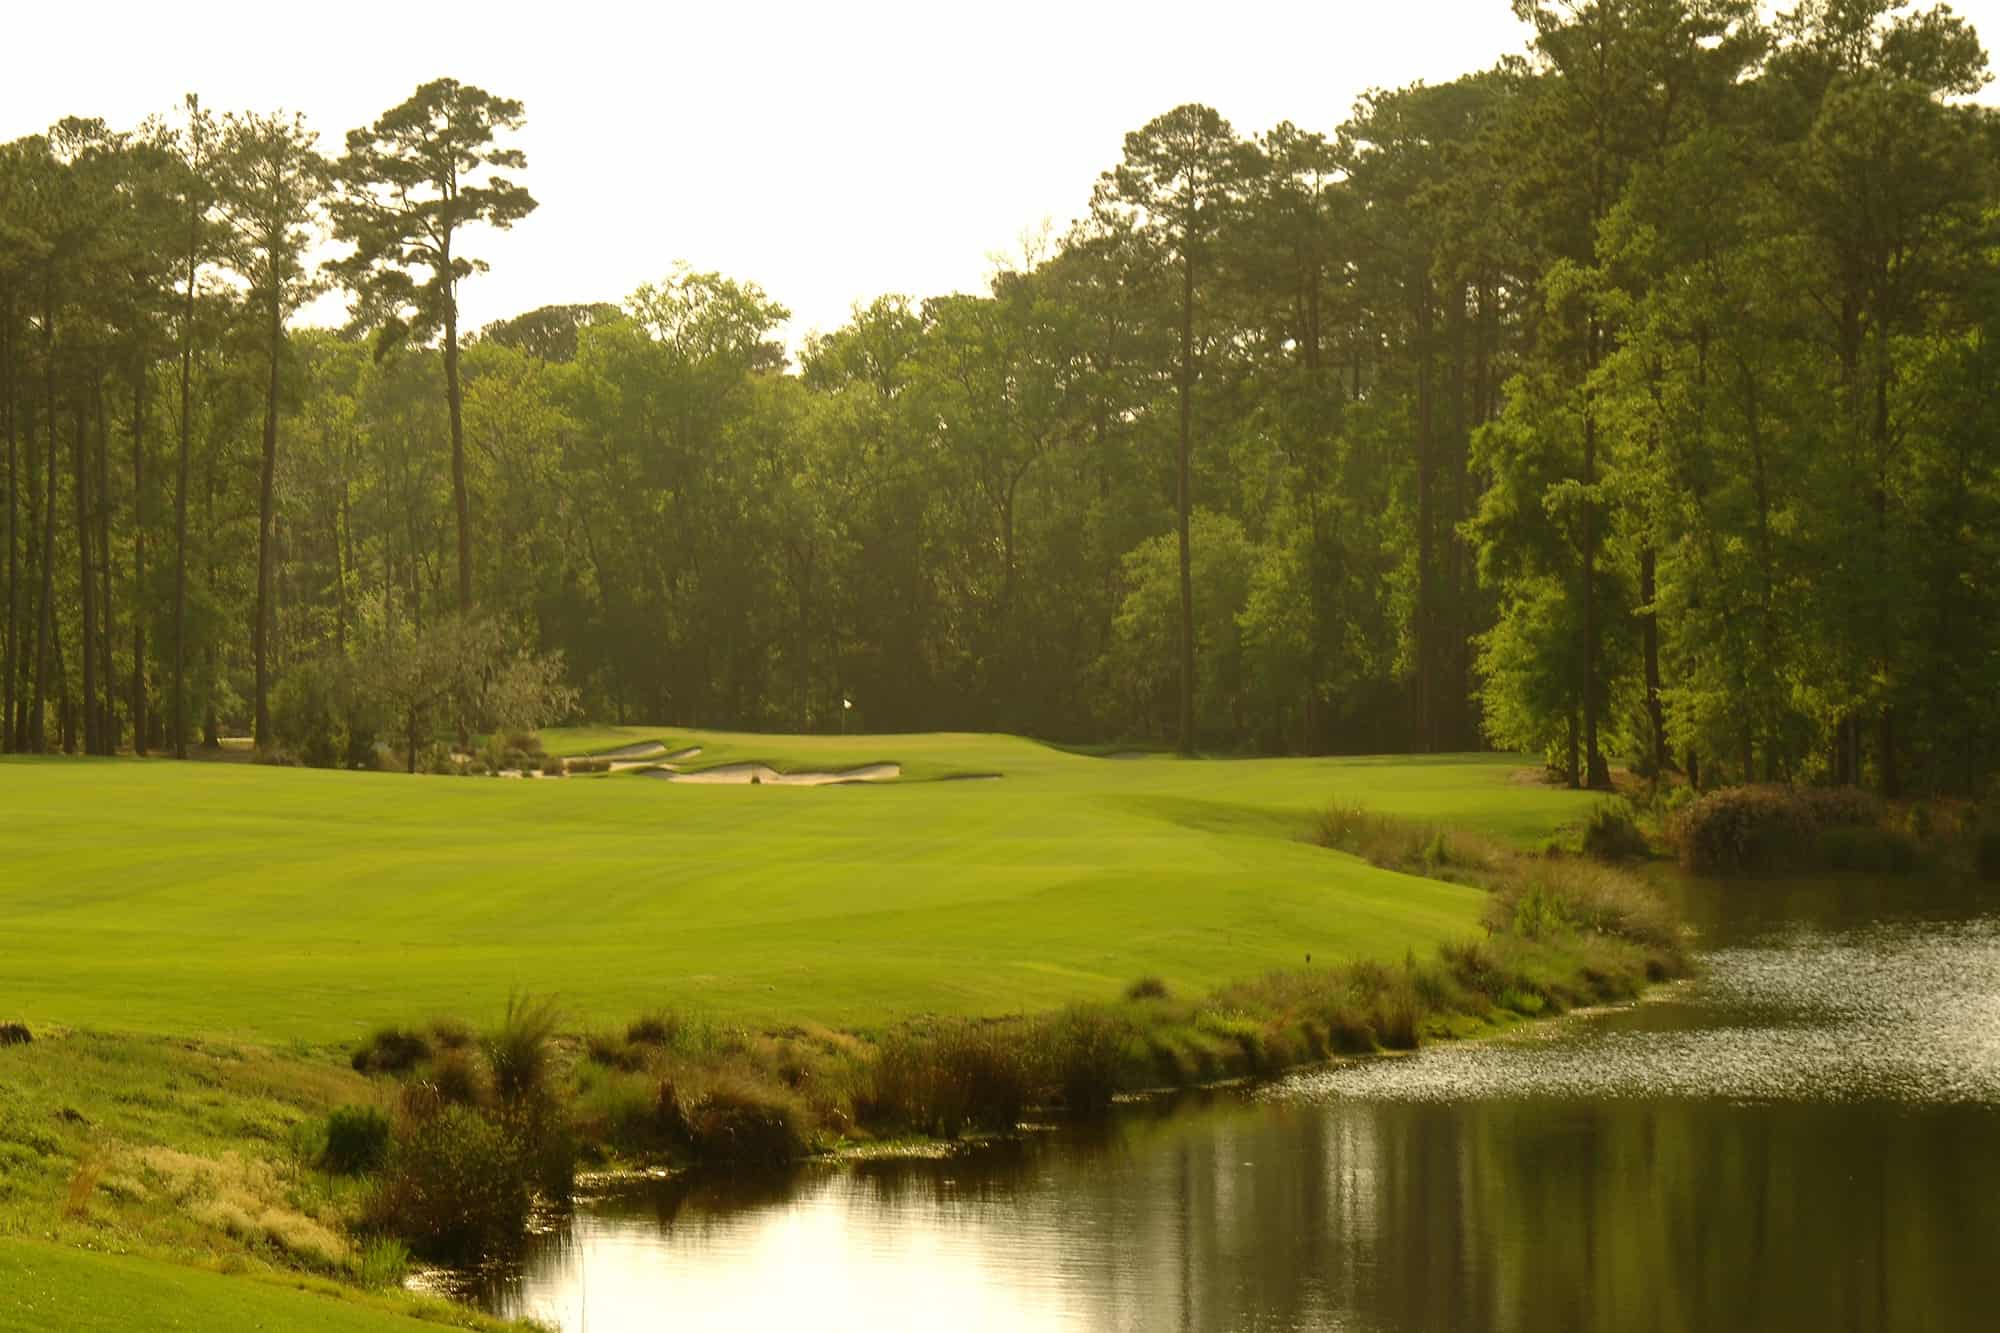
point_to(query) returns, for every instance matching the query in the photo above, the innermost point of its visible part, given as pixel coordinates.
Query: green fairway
(279, 903)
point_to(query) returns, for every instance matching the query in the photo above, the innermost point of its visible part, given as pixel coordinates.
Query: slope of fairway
(44, 1287)
(288, 903)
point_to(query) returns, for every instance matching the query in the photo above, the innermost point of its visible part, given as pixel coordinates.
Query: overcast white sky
(830, 152)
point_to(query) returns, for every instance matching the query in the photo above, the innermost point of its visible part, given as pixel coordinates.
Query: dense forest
(1634, 400)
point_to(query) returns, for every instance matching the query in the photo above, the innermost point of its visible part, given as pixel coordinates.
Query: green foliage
(455, 1188)
(743, 1121)
(518, 1051)
(1611, 834)
(608, 1050)
(1396, 843)
(1538, 914)
(424, 170)
(322, 711)
(384, 1262)
(461, 676)
(454, 1077)
(1762, 829)
(1561, 360)
(1088, 1055)
(1744, 829)
(1141, 662)
(953, 1076)
(662, 1027)
(357, 1140)
(391, 1050)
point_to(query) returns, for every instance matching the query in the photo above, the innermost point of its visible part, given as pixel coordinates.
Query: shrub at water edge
(357, 1140)
(455, 1188)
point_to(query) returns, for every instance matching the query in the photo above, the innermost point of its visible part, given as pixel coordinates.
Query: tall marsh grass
(1399, 844)
(1772, 829)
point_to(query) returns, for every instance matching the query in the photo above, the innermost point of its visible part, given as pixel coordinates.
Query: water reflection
(1426, 1193)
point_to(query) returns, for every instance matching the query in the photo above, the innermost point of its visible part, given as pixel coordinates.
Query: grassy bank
(139, 1174)
(674, 1088)
(743, 973)
(516, 1111)
(46, 1286)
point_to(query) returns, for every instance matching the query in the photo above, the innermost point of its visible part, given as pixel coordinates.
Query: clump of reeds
(1405, 845)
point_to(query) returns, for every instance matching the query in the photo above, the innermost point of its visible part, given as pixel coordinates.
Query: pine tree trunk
(10, 660)
(456, 401)
(86, 585)
(343, 563)
(1425, 737)
(1183, 505)
(46, 618)
(1650, 627)
(1597, 774)
(180, 736)
(107, 720)
(266, 517)
(139, 719)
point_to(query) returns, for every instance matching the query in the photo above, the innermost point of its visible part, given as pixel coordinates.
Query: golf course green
(268, 903)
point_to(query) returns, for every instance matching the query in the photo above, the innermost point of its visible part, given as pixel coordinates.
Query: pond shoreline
(1314, 1199)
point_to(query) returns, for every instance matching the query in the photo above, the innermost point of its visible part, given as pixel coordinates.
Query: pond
(1806, 1137)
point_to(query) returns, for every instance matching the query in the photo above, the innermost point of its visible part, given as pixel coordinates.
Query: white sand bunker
(636, 750)
(765, 775)
(640, 754)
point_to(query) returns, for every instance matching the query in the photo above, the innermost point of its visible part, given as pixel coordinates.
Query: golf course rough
(269, 904)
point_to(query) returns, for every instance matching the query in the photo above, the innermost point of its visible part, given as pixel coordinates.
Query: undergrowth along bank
(1776, 829)
(673, 1087)
(441, 1138)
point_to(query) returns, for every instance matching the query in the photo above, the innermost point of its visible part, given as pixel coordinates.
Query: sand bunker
(636, 750)
(765, 775)
(640, 754)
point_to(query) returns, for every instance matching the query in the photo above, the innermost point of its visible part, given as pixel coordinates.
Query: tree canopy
(1632, 400)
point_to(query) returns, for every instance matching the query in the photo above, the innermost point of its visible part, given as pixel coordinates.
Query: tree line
(1633, 399)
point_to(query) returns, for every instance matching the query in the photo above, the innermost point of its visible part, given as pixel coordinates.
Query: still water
(1806, 1138)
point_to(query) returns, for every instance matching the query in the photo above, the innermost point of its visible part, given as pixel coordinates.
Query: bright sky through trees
(830, 153)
